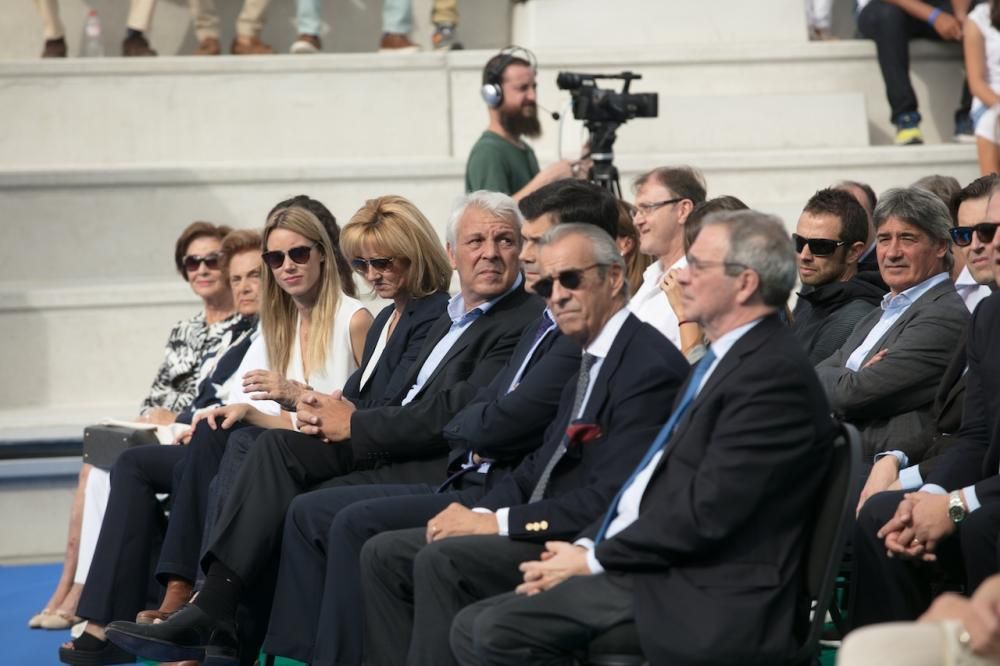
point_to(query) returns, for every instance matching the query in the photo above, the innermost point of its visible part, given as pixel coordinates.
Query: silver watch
(956, 507)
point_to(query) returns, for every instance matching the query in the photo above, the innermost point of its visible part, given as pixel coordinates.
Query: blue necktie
(661, 439)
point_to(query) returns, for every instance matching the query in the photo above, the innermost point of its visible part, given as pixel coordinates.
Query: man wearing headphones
(500, 161)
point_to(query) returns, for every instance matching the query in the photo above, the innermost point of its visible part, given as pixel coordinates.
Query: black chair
(619, 646)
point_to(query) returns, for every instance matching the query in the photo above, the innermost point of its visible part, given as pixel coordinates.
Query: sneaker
(395, 43)
(250, 46)
(908, 129)
(54, 48)
(964, 131)
(306, 44)
(208, 47)
(136, 46)
(445, 38)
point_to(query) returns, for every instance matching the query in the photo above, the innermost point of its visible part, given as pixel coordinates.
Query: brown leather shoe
(136, 46)
(54, 48)
(396, 43)
(208, 47)
(178, 593)
(306, 44)
(250, 46)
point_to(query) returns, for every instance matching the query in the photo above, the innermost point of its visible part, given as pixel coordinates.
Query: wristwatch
(956, 507)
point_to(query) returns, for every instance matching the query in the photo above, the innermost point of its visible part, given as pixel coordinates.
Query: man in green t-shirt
(500, 161)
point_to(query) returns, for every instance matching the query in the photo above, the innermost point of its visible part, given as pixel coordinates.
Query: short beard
(517, 124)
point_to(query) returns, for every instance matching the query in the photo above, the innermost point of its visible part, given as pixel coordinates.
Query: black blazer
(505, 426)
(394, 432)
(400, 351)
(716, 551)
(631, 393)
(974, 455)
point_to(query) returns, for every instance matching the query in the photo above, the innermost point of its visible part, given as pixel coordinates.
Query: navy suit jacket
(973, 457)
(401, 350)
(505, 426)
(631, 393)
(716, 552)
(394, 432)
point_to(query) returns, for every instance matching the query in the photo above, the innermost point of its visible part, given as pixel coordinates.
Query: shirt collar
(909, 296)
(726, 341)
(456, 306)
(602, 343)
(965, 279)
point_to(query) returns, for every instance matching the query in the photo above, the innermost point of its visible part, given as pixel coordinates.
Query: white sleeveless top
(980, 15)
(333, 375)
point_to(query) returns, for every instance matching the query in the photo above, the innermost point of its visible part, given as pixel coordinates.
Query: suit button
(530, 527)
(544, 525)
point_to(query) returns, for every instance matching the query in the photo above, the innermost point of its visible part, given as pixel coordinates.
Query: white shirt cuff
(910, 478)
(502, 516)
(900, 457)
(933, 488)
(592, 563)
(971, 499)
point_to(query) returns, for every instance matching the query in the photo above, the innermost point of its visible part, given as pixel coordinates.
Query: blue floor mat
(24, 589)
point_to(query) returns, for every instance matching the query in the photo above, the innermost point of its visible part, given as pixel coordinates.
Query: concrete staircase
(103, 162)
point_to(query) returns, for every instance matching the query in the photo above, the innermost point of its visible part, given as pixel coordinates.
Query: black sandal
(89, 650)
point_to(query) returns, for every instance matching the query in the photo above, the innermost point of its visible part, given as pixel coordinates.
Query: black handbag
(102, 444)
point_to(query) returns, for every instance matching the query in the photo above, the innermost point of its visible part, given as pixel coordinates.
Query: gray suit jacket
(890, 401)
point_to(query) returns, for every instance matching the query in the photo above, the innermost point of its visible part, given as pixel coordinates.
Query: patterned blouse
(190, 342)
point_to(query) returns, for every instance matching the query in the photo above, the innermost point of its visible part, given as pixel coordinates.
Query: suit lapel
(611, 363)
(438, 331)
(935, 292)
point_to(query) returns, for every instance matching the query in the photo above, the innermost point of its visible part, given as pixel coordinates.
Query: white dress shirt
(971, 291)
(650, 304)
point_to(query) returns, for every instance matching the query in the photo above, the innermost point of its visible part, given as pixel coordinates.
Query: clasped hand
(559, 561)
(920, 523)
(326, 416)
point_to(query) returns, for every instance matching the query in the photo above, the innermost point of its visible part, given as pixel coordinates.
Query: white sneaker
(306, 44)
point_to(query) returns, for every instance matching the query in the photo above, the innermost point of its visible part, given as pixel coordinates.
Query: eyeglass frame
(974, 229)
(796, 238)
(212, 261)
(698, 266)
(550, 280)
(287, 253)
(361, 265)
(650, 207)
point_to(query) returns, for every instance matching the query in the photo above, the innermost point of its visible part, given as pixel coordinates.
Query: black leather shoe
(189, 634)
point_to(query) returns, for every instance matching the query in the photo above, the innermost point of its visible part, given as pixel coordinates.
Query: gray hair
(920, 208)
(605, 249)
(760, 242)
(497, 204)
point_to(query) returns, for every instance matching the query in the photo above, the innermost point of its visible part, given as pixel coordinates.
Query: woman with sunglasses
(394, 248)
(196, 256)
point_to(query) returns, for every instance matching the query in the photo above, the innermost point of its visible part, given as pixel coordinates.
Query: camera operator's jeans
(397, 16)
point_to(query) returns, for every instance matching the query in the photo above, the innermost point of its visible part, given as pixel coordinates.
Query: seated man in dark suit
(315, 615)
(884, 378)
(829, 238)
(629, 374)
(702, 546)
(397, 443)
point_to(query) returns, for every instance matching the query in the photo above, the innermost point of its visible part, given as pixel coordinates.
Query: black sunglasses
(569, 279)
(984, 230)
(193, 261)
(379, 264)
(820, 247)
(275, 258)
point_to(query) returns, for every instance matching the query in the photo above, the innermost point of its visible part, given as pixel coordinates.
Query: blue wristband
(933, 17)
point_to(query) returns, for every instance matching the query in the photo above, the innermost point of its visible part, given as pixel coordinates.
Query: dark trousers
(413, 590)
(316, 615)
(118, 583)
(887, 589)
(542, 629)
(891, 29)
(189, 503)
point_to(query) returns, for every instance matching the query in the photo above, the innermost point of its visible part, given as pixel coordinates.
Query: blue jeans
(397, 16)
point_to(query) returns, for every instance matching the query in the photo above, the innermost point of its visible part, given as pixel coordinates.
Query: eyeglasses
(378, 264)
(696, 265)
(647, 208)
(984, 230)
(568, 279)
(276, 258)
(193, 261)
(820, 247)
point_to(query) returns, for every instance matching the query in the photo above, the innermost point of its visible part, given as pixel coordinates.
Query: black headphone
(492, 90)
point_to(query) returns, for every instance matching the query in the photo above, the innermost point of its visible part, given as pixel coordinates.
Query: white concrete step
(640, 23)
(120, 224)
(427, 105)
